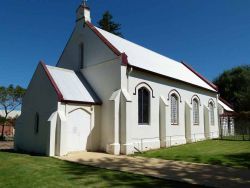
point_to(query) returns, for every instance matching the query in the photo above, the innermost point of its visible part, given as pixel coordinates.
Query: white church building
(109, 94)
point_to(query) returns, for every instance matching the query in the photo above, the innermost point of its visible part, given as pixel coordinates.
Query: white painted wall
(40, 97)
(102, 71)
(78, 130)
(82, 124)
(147, 136)
(75, 127)
(105, 79)
(95, 51)
(221, 109)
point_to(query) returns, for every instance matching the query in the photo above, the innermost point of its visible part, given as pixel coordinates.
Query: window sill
(143, 124)
(175, 124)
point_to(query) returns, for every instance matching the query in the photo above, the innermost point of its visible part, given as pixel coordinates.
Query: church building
(111, 95)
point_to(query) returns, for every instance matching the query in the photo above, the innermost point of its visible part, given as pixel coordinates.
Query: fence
(236, 137)
(143, 144)
(241, 130)
(8, 131)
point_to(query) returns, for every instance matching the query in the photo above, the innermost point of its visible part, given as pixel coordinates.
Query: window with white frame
(143, 106)
(195, 111)
(174, 109)
(211, 110)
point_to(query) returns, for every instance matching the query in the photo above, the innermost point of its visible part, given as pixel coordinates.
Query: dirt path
(194, 173)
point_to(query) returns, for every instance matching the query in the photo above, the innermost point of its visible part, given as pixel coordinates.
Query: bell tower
(83, 12)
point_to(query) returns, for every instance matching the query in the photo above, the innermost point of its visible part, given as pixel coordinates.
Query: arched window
(195, 111)
(174, 109)
(143, 106)
(211, 110)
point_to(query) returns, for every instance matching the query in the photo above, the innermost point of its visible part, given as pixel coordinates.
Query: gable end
(112, 47)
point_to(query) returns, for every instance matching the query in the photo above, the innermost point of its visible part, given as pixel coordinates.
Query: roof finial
(84, 2)
(83, 12)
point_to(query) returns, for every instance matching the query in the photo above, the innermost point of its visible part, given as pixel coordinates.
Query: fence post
(221, 133)
(141, 146)
(248, 133)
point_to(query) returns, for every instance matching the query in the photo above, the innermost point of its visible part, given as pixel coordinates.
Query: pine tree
(107, 24)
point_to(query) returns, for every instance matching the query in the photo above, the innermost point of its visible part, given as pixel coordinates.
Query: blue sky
(211, 35)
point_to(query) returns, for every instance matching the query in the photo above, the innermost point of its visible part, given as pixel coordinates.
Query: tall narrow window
(143, 106)
(36, 123)
(195, 111)
(174, 109)
(81, 56)
(211, 109)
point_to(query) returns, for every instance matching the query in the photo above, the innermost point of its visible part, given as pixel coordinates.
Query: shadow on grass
(8, 150)
(190, 158)
(114, 178)
(179, 172)
(241, 159)
(62, 173)
(21, 152)
(233, 160)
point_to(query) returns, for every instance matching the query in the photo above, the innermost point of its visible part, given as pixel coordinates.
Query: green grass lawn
(21, 170)
(219, 152)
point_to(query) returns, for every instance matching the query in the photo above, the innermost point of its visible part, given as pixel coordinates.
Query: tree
(107, 24)
(234, 86)
(10, 99)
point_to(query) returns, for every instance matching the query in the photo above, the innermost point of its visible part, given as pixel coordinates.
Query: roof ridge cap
(152, 51)
(200, 76)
